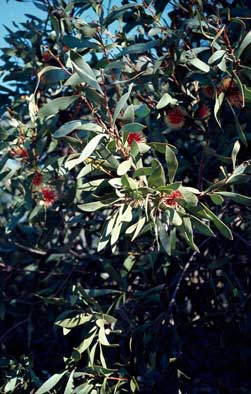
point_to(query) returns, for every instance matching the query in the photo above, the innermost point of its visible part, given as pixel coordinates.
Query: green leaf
(202, 227)
(157, 177)
(92, 206)
(74, 42)
(91, 146)
(10, 385)
(235, 152)
(223, 229)
(244, 44)
(50, 383)
(141, 47)
(139, 226)
(238, 126)
(124, 167)
(70, 384)
(53, 74)
(84, 71)
(172, 163)
(86, 343)
(216, 56)
(188, 230)
(216, 199)
(189, 198)
(102, 337)
(218, 102)
(175, 218)
(74, 321)
(68, 127)
(56, 105)
(132, 127)
(165, 100)
(142, 171)
(118, 13)
(163, 236)
(122, 102)
(239, 198)
(197, 63)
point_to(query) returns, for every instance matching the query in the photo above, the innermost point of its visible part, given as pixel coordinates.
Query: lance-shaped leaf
(90, 147)
(157, 177)
(122, 102)
(53, 74)
(188, 231)
(244, 44)
(239, 198)
(84, 71)
(172, 163)
(165, 100)
(54, 106)
(92, 206)
(50, 383)
(68, 127)
(222, 227)
(235, 152)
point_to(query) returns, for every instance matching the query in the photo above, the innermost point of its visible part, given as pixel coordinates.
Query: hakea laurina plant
(124, 145)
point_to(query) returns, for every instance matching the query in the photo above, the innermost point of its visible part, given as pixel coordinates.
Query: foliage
(124, 162)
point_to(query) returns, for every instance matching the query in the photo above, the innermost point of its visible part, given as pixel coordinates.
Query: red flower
(235, 97)
(37, 179)
(49, 196)
(170, 199)
(208, 91)
(19, 152)
(232, 92)
(137, 137)
(203, 112)
(47, 56)
(175, 118)
(228, 83)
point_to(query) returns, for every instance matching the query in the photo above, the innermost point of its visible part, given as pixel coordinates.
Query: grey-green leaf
(120, 105)
(222, 227)
(50, 383)
(172, 163)
(90, 147)
(56, 105)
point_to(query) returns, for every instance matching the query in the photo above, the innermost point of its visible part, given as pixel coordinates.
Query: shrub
(124, 178)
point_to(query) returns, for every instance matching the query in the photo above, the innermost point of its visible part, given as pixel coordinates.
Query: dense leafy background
(125, 211)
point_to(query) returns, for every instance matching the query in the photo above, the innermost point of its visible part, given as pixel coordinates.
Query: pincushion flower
(19, 152)
(176, 117)
(232, 92)
(234, 96)
(37, 179)
(227, 84)
(171, 199)
(137, 137)
(49, 196)
(203, 112)
(209, 91)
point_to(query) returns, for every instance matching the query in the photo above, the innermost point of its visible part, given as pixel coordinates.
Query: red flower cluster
(137, 137)
(203, 112)
(19, 152)
(176, 117)
(37, 179)
(49, 196)
(170, 199)
(232, 92)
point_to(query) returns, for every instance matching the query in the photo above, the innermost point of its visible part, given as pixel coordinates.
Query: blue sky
(15, 11)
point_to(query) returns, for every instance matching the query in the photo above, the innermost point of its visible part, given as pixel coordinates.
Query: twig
(13, 328)
(185, 269)
(32, 250)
